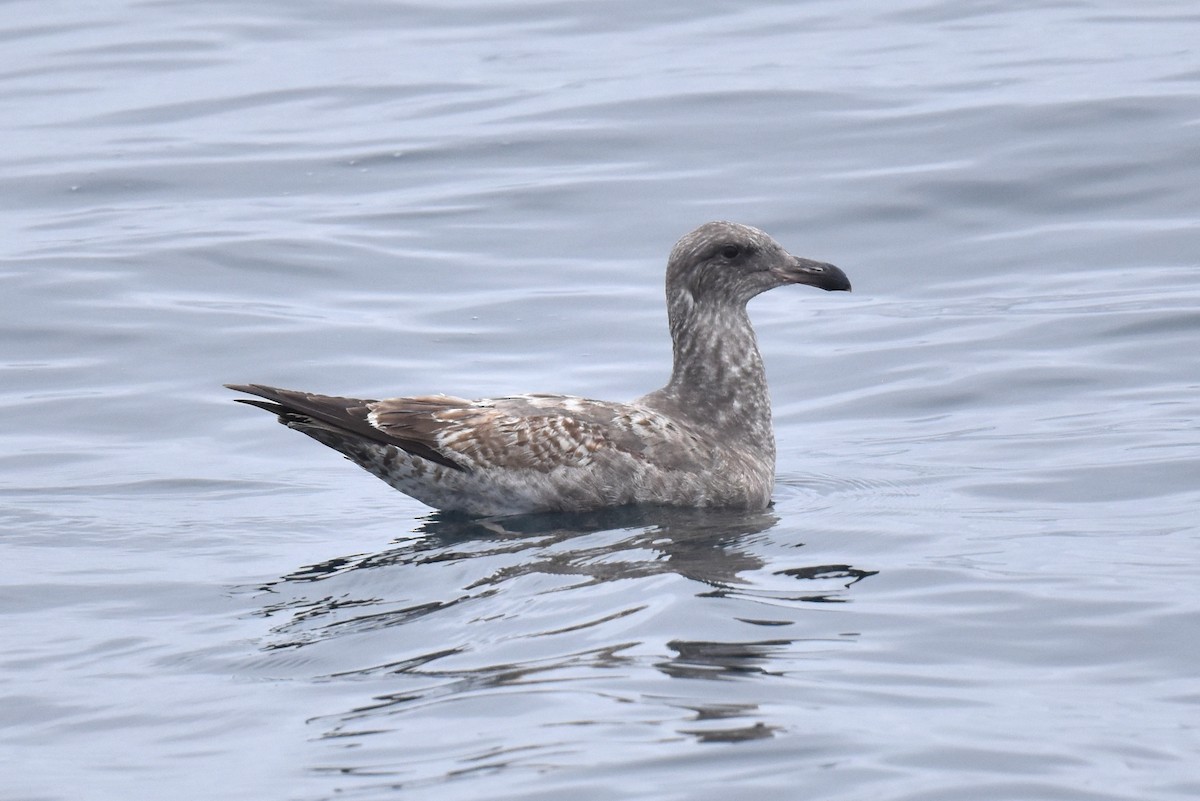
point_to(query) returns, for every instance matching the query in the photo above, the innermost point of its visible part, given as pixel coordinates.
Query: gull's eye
(731, 251)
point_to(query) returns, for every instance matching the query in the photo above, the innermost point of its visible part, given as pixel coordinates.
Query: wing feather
(350, 415)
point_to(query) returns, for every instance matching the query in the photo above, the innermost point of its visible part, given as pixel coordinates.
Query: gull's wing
(527, 432)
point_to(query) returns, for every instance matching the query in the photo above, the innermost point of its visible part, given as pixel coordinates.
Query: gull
(703, 440)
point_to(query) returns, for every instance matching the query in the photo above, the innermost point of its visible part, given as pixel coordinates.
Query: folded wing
(528, 432)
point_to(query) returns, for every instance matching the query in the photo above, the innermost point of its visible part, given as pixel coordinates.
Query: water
(979, 576)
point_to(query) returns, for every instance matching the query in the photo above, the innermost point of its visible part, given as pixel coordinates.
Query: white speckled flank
(704, 439)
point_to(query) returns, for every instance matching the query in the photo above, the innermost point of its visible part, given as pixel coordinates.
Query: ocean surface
(980, 578)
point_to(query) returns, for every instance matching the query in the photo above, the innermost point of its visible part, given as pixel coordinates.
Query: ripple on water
(978, 577)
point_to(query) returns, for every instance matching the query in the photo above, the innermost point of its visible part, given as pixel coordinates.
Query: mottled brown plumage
(704, 439)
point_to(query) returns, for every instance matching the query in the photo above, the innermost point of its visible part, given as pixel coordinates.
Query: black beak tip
(828, 277)
(818, 274)
(836, 280)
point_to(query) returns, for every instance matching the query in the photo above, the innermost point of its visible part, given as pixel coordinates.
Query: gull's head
(731, 263)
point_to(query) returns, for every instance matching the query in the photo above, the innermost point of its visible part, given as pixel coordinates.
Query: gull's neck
(718, 380)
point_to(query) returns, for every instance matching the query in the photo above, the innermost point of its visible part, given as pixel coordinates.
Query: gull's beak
(814, 273)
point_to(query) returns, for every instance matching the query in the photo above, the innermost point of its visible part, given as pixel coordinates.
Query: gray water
(979, 576)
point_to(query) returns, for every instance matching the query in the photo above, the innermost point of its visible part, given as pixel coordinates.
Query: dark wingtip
(250, 389)
(273, 408)
(340, 416)
(262, 392)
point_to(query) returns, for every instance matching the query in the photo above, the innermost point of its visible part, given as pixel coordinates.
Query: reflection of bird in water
(700, 544)
(710, 547)
(491, 554)
(703, 440)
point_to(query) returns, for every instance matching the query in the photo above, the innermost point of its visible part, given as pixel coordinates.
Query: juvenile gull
(703, 440)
